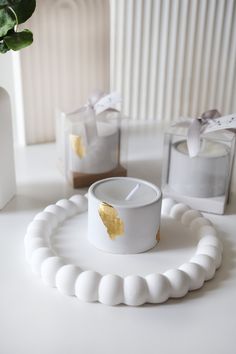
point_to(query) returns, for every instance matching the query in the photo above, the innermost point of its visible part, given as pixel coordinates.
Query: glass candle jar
(94, 146)
(203, 181)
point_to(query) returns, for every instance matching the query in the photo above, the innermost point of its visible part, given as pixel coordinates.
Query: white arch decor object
(111, 289)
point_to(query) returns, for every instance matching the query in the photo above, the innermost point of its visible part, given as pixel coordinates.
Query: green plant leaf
(24, 9)
(9, 2)
(7, 21)
(19, 40)
(3, 47)
(4, 3)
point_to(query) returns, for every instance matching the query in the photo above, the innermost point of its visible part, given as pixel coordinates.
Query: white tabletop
(35, 319)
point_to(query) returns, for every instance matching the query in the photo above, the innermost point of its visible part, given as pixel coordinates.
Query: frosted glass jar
(205, 175)
(95, 146)
(203, 181)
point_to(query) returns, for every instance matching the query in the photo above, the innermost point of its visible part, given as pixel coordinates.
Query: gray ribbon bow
(198, 127)
(99, 102)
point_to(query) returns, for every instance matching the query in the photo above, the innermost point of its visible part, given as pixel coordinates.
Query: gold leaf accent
(110, 218)
(158, 236)
(77, 145)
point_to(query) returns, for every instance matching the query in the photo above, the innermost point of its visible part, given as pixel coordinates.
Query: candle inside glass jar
(97, 156)
(208, 148)
(124, 215)
(205, 175)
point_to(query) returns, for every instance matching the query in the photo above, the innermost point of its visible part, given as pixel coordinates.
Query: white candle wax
(205, 175)
(123, 215)
(98, 156)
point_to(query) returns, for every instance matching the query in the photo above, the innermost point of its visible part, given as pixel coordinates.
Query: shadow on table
(36, 196)
(231, 207)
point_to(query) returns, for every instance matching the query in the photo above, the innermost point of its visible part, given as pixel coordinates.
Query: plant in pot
(12, 14)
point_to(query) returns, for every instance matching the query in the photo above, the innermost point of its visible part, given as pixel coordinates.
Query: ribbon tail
(182, 123)
(76, 111)
(193, 138)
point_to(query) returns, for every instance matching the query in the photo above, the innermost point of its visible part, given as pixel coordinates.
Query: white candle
(124, 215)
(98, 156)
(205, 175)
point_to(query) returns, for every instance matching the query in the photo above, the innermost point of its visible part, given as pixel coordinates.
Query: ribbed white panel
(174, 57)
(68, 59)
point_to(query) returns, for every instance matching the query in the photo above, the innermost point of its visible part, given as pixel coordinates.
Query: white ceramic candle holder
(113, 289)
(124, 215)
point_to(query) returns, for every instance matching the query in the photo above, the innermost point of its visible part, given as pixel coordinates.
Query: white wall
(168, 58)
(68, 59)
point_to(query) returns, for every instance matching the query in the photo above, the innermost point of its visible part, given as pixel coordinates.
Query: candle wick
(131, 193)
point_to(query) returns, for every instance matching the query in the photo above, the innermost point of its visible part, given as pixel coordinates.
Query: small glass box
(92, 147)
(202, 182)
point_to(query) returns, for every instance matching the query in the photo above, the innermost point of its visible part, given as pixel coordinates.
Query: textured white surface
(172, 58)
(41, 320)
(133, 290)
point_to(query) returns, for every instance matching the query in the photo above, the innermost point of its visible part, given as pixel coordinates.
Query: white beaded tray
(111, 289)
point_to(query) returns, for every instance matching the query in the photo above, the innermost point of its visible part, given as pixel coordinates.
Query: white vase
(7, 166)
